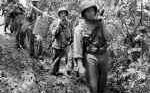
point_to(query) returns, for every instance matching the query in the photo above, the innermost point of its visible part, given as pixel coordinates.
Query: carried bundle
(41, 26)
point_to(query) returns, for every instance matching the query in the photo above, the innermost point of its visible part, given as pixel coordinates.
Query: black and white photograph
(74, 46)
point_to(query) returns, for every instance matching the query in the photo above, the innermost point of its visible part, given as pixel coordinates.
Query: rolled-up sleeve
(77, 44)
(54, 27)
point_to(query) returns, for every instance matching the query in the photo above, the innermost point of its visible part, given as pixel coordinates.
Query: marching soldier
(140, 44)
(33, 12)
(90, 47)
(9, 8)
(40, 31)
(61, 36)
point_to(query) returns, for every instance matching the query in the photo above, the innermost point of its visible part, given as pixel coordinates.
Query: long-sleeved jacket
(60, 34)
(86, 29)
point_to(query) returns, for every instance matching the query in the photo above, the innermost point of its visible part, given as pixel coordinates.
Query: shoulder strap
(102, 29)
(99, 26)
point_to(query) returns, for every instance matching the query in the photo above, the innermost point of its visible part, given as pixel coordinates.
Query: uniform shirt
(84, 29)
(57, 41)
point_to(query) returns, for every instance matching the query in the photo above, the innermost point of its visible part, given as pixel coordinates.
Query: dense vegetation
(129, 67)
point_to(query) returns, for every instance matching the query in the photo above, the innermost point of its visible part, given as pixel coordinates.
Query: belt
(99, 51)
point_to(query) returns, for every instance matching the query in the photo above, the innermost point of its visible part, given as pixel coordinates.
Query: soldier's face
(90, 13)
(63, 14)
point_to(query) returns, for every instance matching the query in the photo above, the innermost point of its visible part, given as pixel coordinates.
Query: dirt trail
(13, 62)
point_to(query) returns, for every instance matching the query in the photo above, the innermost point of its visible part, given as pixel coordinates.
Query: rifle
(62, 53)
(89, 40)
(40, 11)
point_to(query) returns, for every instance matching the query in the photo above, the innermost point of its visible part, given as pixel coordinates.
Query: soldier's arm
(77, 44)
(55, 28)
(78, 50)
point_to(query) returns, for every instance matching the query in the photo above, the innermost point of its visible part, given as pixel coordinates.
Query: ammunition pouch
(93, 47)
(96, 50)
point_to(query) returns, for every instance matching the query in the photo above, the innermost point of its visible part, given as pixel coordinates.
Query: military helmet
(35, 0)
(85, 4)
(62, 9)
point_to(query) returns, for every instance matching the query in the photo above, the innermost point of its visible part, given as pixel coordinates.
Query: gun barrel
(40, 11)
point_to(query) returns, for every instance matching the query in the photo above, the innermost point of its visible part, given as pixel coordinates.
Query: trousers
(57, 53)
(97, 66)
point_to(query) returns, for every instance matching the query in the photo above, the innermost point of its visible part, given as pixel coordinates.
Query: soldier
(31, 12)
(90, 47)
(9, 8)
(17, 26)
(40, 31)
(61, 36)
(140, 46)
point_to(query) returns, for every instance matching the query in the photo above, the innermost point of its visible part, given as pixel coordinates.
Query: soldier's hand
(81, 68)
(45, 14)
(38, 37)
(139, 37)
(63, 22)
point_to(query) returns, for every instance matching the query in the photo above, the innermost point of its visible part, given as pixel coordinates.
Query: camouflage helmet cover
(85, 4)
(62, 9)
(35, 0)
